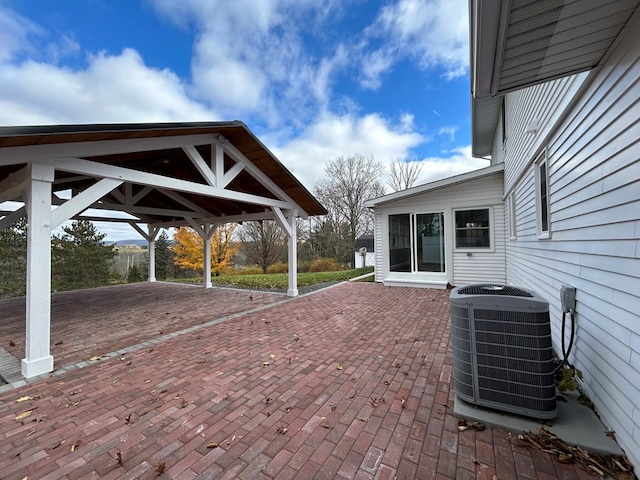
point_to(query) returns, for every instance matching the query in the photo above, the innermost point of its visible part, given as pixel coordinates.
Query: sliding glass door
(416, 242)
(429, 242)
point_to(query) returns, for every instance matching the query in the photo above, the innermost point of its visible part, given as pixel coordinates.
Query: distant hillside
(135, 241)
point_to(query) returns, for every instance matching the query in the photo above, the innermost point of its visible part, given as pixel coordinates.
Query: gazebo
(162, 175)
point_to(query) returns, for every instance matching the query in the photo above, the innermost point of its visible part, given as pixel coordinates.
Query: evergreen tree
(164, 258)
(80, 259)
(13, 259)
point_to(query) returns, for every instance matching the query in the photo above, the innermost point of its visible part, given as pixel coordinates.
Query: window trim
(503, 119)
(542, 202)
(511, 214)
(491, 246)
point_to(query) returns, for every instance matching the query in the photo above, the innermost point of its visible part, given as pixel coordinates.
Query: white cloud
(15, 32)
(331, 136)
(432, 32)
(454, 162)
(118, 88)
(449, 131)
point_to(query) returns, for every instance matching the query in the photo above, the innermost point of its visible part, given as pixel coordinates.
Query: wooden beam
(77, 165)
(200, 164)
(82, 201)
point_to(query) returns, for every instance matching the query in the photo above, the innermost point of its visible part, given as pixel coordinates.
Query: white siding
(541, 105)
(594, 187)
(378, 246)
(481, 266)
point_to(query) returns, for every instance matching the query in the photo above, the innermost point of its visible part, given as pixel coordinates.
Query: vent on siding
(502, 351)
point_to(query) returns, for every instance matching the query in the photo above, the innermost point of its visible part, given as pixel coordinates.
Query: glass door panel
(429, 242)
(399, 243)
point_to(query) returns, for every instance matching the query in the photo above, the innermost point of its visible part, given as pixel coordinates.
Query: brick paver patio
(349, 382)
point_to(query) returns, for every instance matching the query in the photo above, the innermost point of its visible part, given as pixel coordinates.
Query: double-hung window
(473, 228)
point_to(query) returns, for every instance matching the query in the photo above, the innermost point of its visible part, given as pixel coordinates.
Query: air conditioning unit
(502, 351)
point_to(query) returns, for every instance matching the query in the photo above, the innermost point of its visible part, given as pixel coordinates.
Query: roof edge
(435, 185)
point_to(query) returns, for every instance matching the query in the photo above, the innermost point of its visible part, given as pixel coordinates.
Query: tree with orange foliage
(189, 248)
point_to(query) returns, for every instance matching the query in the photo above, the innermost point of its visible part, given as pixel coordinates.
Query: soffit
(519, 43)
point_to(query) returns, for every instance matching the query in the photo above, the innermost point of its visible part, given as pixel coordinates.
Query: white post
(151, 239)
(38, 359)
(208, 232)
(152, 261)
(292, 257)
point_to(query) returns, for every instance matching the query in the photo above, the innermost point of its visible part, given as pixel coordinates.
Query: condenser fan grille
(492, 289)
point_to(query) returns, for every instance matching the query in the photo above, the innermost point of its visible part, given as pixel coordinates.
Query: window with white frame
(503, 119)
(473, 228)
(511, 213)
(542, 197)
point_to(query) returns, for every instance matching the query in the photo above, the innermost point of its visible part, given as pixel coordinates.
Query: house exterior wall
(593, 158)
(463, 266)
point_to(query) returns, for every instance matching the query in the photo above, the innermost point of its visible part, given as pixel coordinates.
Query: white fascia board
(86, 167)
(427, 187)
(31, 153)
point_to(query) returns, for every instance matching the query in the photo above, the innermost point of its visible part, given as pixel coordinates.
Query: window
(503, 119)
(542, 197)
(473, 228)
(511, 212)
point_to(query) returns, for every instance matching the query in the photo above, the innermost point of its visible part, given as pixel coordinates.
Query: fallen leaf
(212, 445)
(12, 343)
(23, 415)
(272, 356)
(24, 399)
(281, 430)
(339, 367)
(328, 427)
(160, 466)
(265, 364)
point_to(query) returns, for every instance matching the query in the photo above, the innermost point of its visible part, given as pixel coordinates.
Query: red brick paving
(352, 382)
(113, 311)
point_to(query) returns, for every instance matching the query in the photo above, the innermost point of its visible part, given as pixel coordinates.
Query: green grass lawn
(280, 280)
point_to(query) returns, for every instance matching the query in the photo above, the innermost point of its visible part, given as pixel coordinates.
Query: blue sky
(313, 80)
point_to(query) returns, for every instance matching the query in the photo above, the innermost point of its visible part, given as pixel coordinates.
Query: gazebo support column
(38, 359)
(292, 255)
(288, 224)
(151, 243)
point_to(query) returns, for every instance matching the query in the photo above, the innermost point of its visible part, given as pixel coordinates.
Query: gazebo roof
(168, 169)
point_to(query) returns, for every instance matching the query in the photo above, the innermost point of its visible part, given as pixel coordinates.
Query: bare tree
(263, 242)
(349, 182)
(404, 173)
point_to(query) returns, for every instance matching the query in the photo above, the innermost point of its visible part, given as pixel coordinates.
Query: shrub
(303, 267)
(279, 267)
(324, 265)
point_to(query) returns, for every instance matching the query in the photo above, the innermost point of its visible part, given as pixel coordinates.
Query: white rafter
(200, 164)
(78, 165)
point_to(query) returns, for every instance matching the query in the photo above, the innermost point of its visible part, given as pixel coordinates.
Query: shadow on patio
(348, 382)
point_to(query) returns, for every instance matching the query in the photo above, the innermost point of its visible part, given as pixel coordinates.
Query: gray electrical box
(568, 298)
